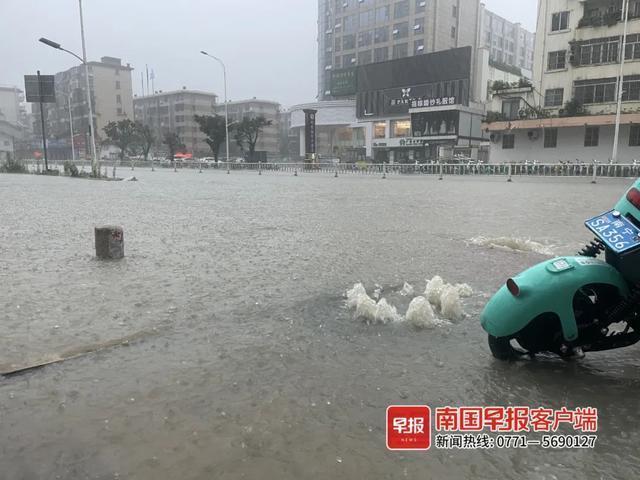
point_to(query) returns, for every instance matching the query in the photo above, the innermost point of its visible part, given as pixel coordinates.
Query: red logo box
(408, 427)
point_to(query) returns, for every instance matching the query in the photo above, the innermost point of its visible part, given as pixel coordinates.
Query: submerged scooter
(571, 305)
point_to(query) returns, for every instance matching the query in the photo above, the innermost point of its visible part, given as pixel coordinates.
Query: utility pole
(616, 136)
(44, 134)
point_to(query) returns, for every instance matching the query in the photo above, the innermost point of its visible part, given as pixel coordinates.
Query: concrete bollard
(509, 177)
(295, 172)
(109, 242)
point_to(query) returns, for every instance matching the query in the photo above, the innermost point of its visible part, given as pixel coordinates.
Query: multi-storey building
(174, 111)
(12, 107)
(111, 96)
(269, 139)
(509, 43)
(359, 32)
(569, 113)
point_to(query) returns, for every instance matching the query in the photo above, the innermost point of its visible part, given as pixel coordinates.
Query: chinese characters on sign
(423, 102)
(409, 427)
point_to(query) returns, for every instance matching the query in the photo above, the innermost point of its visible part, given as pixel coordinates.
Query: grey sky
(269, 46)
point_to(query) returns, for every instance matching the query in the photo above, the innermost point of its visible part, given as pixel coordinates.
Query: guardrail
(508, 170)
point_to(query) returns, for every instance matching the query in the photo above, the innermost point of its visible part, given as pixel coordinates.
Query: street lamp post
(94, 163)
(625, 18)
(73, 148)
(226, 105)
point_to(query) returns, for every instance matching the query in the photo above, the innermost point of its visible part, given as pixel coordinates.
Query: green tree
(122, 134)
(248, 131)
(144, 139)
(213, 126)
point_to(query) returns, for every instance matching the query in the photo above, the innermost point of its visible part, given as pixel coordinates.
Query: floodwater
(246, 362)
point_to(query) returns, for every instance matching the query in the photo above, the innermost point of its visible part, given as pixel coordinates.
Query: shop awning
(563, 122)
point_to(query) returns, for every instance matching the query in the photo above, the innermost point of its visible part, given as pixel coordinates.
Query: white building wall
(570, 147)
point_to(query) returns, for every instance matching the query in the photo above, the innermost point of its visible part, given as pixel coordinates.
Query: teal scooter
(576, 304)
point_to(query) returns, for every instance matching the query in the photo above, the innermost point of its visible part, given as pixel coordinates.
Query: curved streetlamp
(83, 59)
(226, 108)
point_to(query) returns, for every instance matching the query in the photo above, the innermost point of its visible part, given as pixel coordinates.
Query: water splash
(421, 315)
(447, 298)
(513, 244)
(407, 290)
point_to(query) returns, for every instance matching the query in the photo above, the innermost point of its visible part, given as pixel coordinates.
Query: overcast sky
(269, 46)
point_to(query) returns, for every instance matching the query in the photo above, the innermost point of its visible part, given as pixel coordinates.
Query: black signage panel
(37, 86)
(310, 130)
(437, 79)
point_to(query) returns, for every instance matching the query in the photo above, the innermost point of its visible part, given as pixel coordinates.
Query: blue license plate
(616, 231)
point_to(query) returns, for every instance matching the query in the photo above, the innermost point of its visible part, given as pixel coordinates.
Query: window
(350, 23)
(631, 88)
(420, 5)
(508, 141)
(365, 38)
(591, 135)
(550, 137)
(401, 50)
(400, 128)
(337, 62)
(364, 57)
(418, 25)
(455, 11)
(348, 60)
(338, 44)
(348, 42)
(418, 46)
(381, 35)
(381, 54)
(118, 99)
(632, 50)
(380, 130)
(553, 97)
(401, 30)
(634, 136)
(117, 72)
(559, 21)
(367, 18)
(119, 110)
(598, 50)
(453, 32)
(401, 9)
(557, 60)
(511, 109)
(595, 91)
(117, 84)
(383, 14)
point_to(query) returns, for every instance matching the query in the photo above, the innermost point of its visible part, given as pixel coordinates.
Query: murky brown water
(252, 366)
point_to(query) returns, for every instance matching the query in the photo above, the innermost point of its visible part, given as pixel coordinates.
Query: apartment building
(509, 44)
(270, 138)
(569, 113)
(174, 111)
(111, 95)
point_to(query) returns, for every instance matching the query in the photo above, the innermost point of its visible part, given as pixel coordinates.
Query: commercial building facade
(569, 112)
(175, 111)
(360, 32)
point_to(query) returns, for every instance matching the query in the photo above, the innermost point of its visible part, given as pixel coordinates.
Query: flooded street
(246, 362)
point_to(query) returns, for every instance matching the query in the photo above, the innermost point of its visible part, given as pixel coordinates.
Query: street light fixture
(226, 105)
(83, 59)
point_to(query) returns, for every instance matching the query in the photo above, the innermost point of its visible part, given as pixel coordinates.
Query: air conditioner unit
(328, 67)
(416, 27)
(422, 4)
(396, 31)
(345, 5)
(353, 60)
(495, 137)
(420, 48)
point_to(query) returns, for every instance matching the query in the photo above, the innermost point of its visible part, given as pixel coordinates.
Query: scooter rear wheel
(502, 349)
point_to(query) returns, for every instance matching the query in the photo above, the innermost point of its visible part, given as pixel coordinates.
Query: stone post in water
(109, 242)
